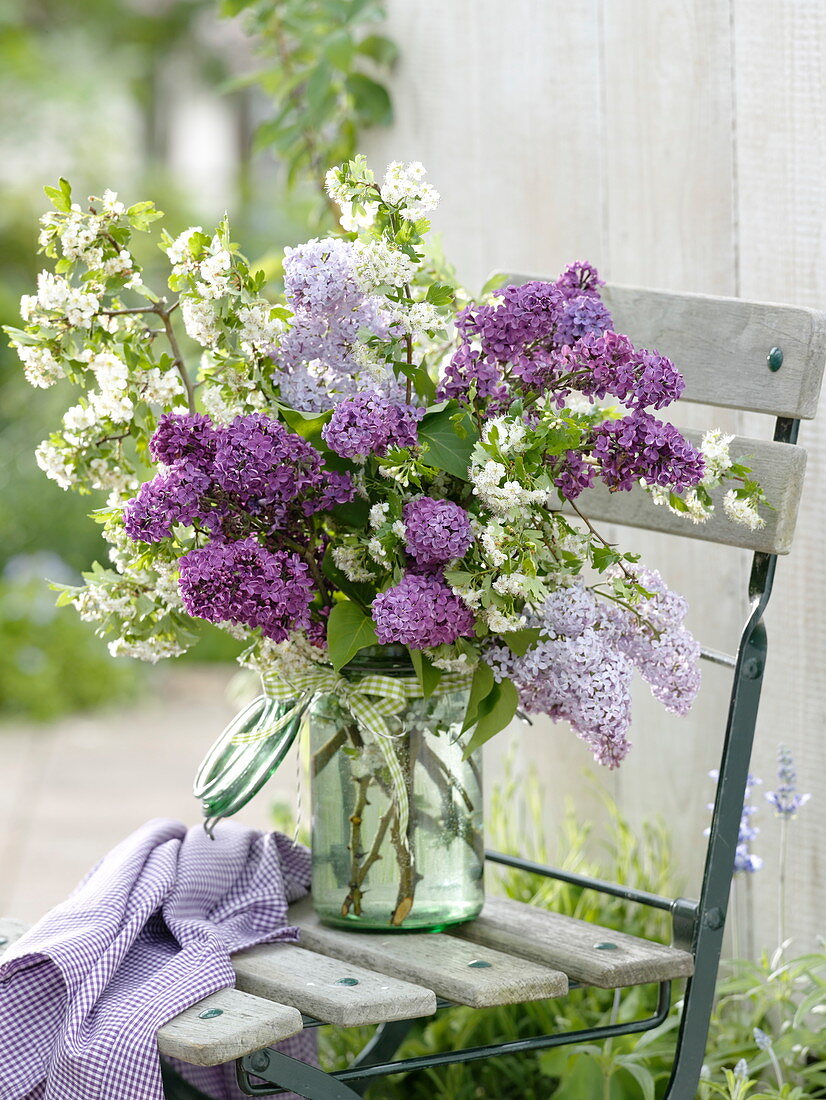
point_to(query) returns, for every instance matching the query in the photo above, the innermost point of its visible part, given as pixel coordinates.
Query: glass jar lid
(248, 752)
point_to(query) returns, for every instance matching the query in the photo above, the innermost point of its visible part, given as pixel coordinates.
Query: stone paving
(72, 790)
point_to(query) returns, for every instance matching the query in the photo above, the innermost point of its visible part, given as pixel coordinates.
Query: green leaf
(427, 673)
(339, 51)
(495, 712)
(383, 51)
(61, 197)
(439, 294)
(348, 631)
(520, 641)
(603, 556)
(371, 99)
(446, 448)
(308, 426)
(479, 689)
(560, 439)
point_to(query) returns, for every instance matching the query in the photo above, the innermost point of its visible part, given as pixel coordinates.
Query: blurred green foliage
(324, 67)
(50, 661)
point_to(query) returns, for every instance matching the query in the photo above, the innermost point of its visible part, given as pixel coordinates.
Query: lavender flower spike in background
(785, 798)
(744, 858)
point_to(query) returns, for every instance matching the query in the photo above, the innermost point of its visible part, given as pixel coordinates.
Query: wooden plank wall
(679, 145)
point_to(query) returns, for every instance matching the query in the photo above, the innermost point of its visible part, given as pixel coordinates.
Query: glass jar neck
(381, 660)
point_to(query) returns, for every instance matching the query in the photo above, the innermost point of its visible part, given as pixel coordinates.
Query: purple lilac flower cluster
(369, 423)
(468, 365)
(437, 531)
(581, 668)
(251, 485)
(183, 435)
(316, 357)
(786, 798)
(522, 329)
(244, 583)
(607, 364)
(421, 611)
(625, 451)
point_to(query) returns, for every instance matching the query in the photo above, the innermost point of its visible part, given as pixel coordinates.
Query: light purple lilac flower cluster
(370, 423)
(251, 486)
(436, 531)
(581, 668)
(316, 357)
(421, 611)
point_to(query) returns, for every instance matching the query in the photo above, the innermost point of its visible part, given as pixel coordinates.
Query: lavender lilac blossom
(421, 611)
(317, 358)
(581, 668)
(436, 531)
(584, 315)
(371, 424)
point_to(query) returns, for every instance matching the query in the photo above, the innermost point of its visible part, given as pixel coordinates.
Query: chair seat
(511, 954)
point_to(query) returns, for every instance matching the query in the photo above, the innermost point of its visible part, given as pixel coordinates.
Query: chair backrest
(733, 353)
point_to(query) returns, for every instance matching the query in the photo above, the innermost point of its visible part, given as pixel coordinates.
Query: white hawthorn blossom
(405, 185)
(742, 510)
(56, 295)
(39, 366)
(200, 321)
(55, 464)
(378, 263)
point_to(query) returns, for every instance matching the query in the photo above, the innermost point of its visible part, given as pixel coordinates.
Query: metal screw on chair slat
(479, 963)
(210, 1013)
(259, 1061)
(347, 981)
(606, 946)
(775, 359)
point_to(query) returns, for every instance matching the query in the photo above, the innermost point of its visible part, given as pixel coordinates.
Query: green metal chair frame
(737, 354)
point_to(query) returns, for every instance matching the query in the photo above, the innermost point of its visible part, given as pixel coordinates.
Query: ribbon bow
(370, 699)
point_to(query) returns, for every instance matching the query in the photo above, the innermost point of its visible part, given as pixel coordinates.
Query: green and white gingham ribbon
(370, 699)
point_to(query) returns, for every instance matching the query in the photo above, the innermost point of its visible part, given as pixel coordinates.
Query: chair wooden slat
(779, 467)
(439, 962)
(245, 1024)
(721, 345)
(330, 990)
(573, 946)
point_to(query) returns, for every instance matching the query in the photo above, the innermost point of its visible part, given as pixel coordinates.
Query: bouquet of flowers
(369, 457)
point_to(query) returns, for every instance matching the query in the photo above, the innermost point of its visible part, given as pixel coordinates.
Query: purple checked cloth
(145, 935)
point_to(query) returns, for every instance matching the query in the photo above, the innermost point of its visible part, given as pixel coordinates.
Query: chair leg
(289, 1073)
(381, 1048)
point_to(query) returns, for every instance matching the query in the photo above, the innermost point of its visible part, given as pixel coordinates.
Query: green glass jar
(380, 860)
